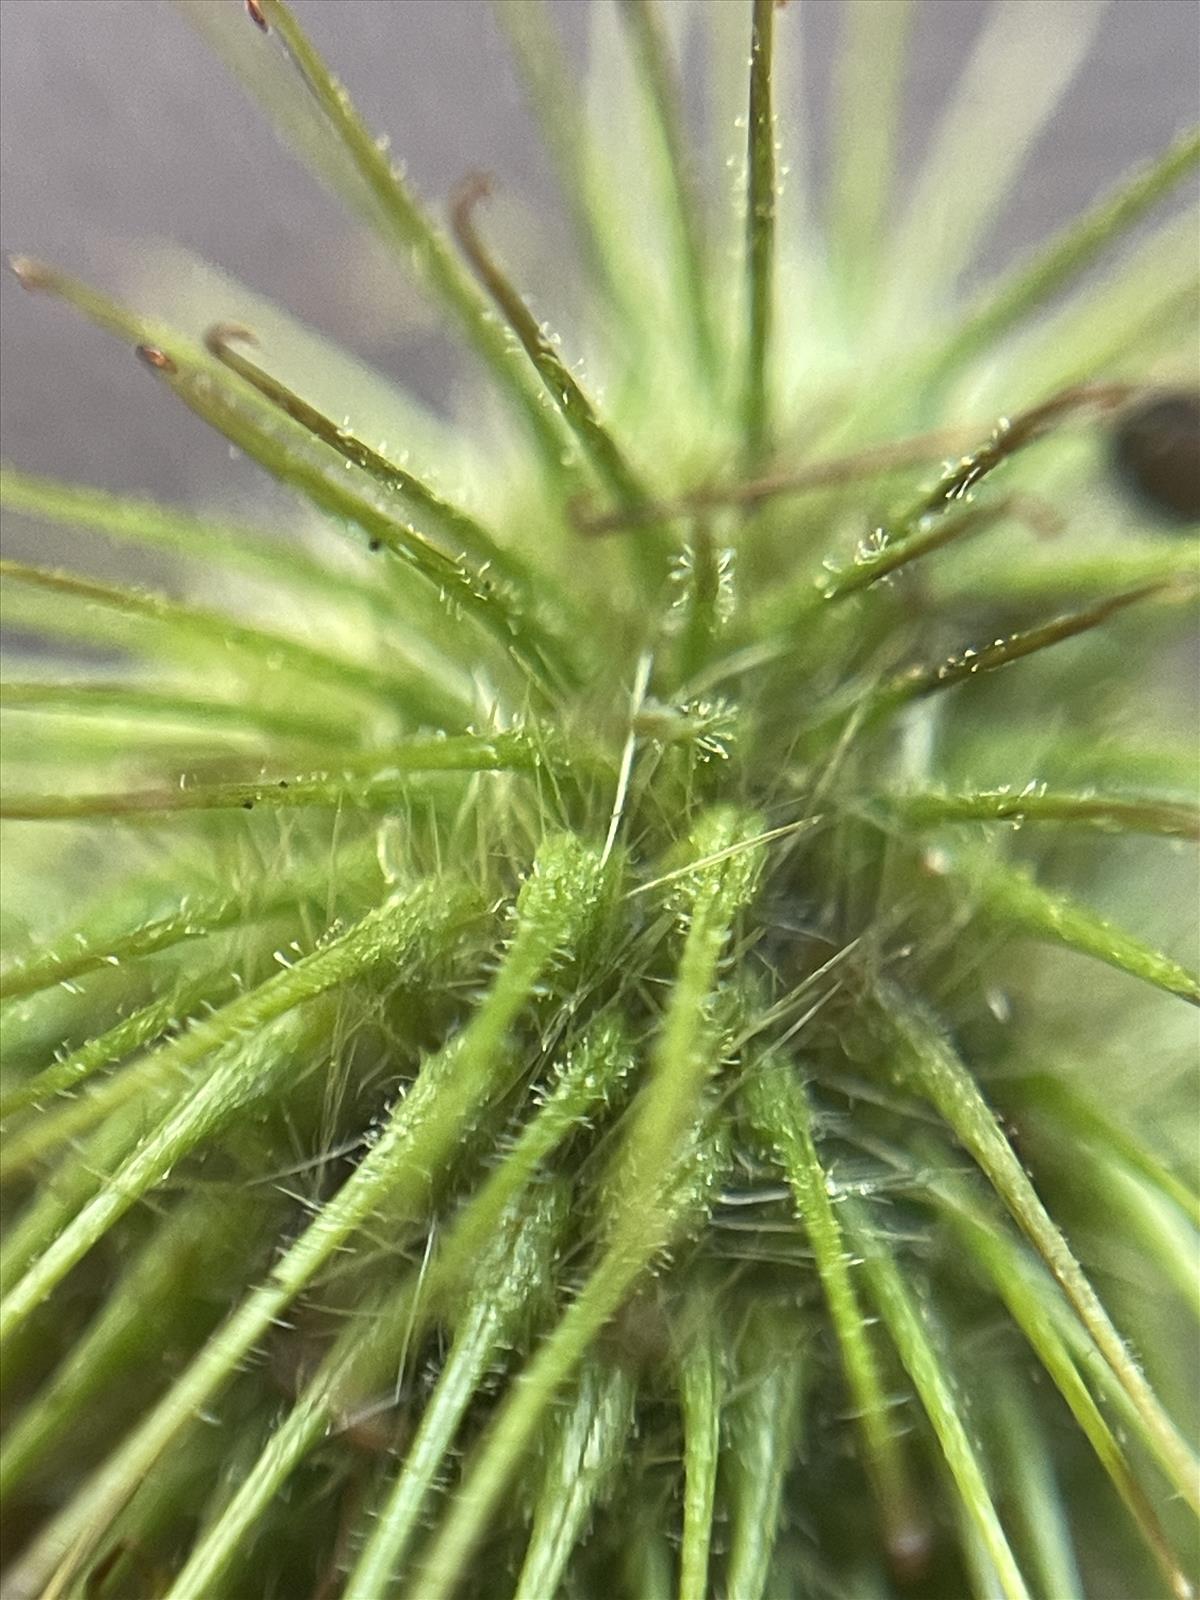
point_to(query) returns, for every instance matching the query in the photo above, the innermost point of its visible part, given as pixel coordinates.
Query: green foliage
(620, 1029)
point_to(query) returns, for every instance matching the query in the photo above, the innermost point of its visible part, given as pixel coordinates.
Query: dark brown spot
(247, 805)
(1156, 452)
(256, 14)
(156, 358)
(104, 1568)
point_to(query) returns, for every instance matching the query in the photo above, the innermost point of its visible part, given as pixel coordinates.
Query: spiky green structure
(570, 1031)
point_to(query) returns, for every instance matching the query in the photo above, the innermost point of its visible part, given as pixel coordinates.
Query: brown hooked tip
(29, 273)
(223, 333)
(467, 194)
(156, 358)
(257, 15)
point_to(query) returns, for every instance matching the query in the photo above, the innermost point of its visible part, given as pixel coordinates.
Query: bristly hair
(605, 1016)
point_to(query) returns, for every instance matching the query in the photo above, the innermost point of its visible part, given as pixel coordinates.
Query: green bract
(614, 1020)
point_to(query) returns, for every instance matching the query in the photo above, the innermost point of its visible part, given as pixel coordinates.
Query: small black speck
(247, 805)
(375, 544)
(283, 783)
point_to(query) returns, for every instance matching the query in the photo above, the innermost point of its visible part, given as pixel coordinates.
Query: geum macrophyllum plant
(605, 1023)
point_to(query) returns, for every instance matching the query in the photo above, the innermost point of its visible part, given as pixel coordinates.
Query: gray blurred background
(119, 126)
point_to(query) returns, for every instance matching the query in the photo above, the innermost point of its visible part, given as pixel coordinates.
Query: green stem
(923, 1061)
(138, 706)
(506, 1278)
(69, 1185)
(508, 1275)
(869, 77)
(654, 1190)
(551, 86)
(1033, 1490)
(779, 1112)
(594, 1072)
(1013, 1279)
(594, 439)
(1071, 577)
(397, 765)
(1048, 1094)
(149, 522)
(241, 1075)
(884, 554)
(1011, 435)
(115, 1044)
(462, 530)
(651, 56)
(927, 1369)
(972, 663)
(122, 1348)
(701, 1382)
(451, 578)
(196, 912)
(764, 1428)
(588, 1445)
(252, 1057)
(397, 1173)
(218, 633)
(1055, 265)
(402, 220)
(560, 1353)
(703, 615)
(1036, 803)
(1011, 896)
(285, 449)
(761, 202)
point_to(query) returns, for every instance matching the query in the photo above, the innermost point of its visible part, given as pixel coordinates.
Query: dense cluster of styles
(601, 1018)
